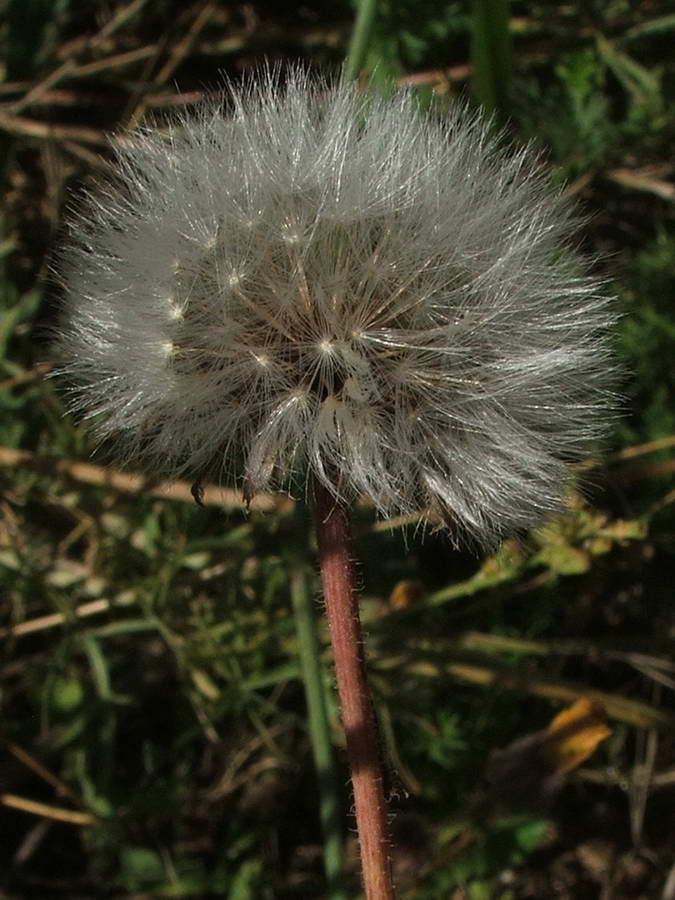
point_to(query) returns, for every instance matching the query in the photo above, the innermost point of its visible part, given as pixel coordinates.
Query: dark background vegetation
(150, 691)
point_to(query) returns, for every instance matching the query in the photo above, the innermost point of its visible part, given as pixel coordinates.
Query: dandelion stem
(342, 610)
(319, 730)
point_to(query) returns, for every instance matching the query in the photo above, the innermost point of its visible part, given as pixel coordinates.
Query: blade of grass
(651, 27)
(309, 652)
(491, 55)
(100, 671)
(358, 45)
(491, 674)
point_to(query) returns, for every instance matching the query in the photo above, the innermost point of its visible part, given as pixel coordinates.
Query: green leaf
(67, 694)
(531, 833)
(15, 312)
(635, 78)
(653, 26)
(140, 867)
(245, 882)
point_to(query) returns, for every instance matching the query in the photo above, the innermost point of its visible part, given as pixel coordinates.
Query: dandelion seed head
(342, 286)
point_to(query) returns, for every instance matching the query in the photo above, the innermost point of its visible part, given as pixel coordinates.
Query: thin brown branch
(93, 160)
(501, 677)
(37, 92)
(477, 640)
(176, 56)
(36, 766)
(47, 131)
(53, 620)
(124, 482)
(642, 449)
(68, 67)
(654, 470)
(435, 76)
(24, 377)
(122, 15)
(664, 501)
(117, 61)
(46, 811)
(186, 43)
(642, 181)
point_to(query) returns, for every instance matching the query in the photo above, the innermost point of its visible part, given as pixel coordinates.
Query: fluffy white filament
(313, 281)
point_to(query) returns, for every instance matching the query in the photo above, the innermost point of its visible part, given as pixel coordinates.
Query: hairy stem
(342, 610)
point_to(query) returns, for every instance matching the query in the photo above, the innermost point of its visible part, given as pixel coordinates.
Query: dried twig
(641, 449)
(492, 674)
(176, 56)
(36, 766)
(68, 66)
(643, 181)
(136, 484)
(45, 810)
(48, 131)
(52, 620)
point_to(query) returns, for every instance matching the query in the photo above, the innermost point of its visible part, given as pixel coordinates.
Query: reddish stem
(342, 609)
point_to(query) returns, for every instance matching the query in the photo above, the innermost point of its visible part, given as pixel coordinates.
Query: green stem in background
(358, 45)
(309, 651)
(491, 55)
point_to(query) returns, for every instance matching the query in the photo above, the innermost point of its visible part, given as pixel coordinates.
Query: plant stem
(358, 45)
(342, 610)
(319, 731)
(491, 55)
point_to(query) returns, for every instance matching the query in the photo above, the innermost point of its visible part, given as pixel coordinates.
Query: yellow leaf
(574, 734)
(405, 593)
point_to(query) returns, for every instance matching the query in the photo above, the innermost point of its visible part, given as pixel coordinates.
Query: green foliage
(507, 843)
(408, 34)
(573, 115)
(648, 333)
(33, 27)
(601, 103)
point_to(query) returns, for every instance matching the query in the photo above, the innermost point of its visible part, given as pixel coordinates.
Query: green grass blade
(491, 55)
(319, 729)
(358, 45)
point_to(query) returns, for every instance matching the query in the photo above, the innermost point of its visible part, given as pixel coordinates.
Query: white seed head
(388, 300)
